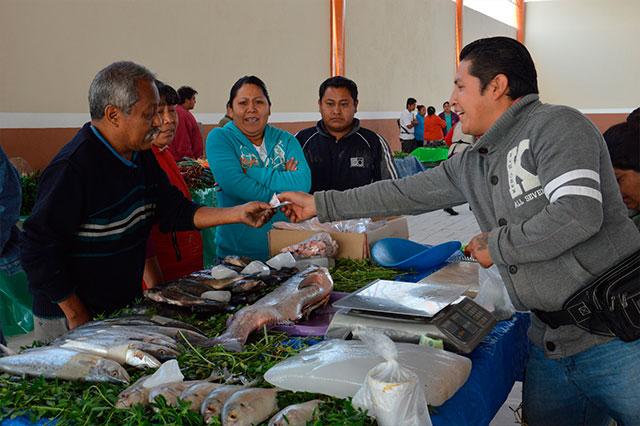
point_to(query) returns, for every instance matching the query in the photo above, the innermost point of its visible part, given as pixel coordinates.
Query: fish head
(237, 414)
(140, 359)
(139, 395)
(106, 370)
(210, 409)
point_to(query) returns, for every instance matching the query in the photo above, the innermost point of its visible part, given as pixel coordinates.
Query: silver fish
(122, 354)
(211, 406)
(55, 362)
(249, 407)
(297, 414)
(159, 352)
(129, 333)
(301, 293)
(137, 320)
(197, 392)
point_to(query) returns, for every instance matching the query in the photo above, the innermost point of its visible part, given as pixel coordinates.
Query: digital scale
(405, 311)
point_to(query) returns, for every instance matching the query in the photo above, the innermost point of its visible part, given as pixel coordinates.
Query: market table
(497, 363)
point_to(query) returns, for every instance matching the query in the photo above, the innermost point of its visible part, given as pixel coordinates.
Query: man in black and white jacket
(341, 154)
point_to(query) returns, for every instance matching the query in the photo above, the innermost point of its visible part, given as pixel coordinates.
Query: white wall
(586, 52)
(50, 50)
(400, 49)
(476, 25)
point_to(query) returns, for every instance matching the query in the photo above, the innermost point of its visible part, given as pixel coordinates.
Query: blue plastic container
(408, 255)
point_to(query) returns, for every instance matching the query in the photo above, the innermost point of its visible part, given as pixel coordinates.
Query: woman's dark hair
(247, 79)
(168, 94)
(339, 81)
(623, 143)
(489, 57)
(431, 110)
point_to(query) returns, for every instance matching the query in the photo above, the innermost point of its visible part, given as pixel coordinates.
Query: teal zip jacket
(244, 177)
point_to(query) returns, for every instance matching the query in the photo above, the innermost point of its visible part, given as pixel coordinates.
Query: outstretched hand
(302, 207)
(255, 213)
(478, 248)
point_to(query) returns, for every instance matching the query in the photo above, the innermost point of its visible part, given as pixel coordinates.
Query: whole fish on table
(139, 320)
(211, 406)
(59, 363)
(197, 392)
(122, 354)
(162, 353)
(297, 414)
(300, 294)
(249, 407)
(128, 333)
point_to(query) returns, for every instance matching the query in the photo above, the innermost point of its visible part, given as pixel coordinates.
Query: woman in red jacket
(170, 256)
(433, 126)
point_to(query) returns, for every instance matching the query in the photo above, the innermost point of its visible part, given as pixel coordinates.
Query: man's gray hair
(116, 85)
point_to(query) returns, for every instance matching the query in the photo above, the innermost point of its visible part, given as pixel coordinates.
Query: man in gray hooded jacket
(541, 185)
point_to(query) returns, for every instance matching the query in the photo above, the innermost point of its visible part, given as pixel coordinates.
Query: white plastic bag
(390, 392)
(493, 294)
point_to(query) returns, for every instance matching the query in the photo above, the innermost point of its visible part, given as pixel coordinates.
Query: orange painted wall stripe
(459, 6)
(337, 37)
(520, 20)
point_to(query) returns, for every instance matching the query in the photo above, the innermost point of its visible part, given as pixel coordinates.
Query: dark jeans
(408, 145)
(586, 389)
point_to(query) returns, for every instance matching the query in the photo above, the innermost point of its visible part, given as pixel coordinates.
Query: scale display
(402, 298)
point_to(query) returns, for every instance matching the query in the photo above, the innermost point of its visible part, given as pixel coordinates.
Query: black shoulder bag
(609, 306)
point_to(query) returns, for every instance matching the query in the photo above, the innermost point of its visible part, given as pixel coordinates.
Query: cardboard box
(351, 244)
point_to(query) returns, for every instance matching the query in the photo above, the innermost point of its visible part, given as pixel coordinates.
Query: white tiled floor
(438, 227)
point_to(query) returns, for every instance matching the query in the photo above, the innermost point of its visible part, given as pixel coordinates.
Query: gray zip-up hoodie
(540, 181)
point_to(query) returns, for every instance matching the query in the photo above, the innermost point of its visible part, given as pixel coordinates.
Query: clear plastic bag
(391, 393)
(320, 244)
(358, 226)
(493, 294)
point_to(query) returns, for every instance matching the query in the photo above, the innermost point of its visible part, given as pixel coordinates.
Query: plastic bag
(338, 368)
(493, 294)
(15, 304)
(320, 244)
(358, 226)
(391, 393)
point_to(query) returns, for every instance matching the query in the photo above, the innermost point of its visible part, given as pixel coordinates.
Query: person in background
(175, 254)
(419, 129)
(84, 244)
(407, 122)
(227, 117)
(252, 161)
(10, 201)
(188, 139)
(623, 143)
(433, 127)
(449, 117)
(543, 190)
(340, 153)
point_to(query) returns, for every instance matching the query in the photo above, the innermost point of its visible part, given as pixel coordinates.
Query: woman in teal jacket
(251, 160)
